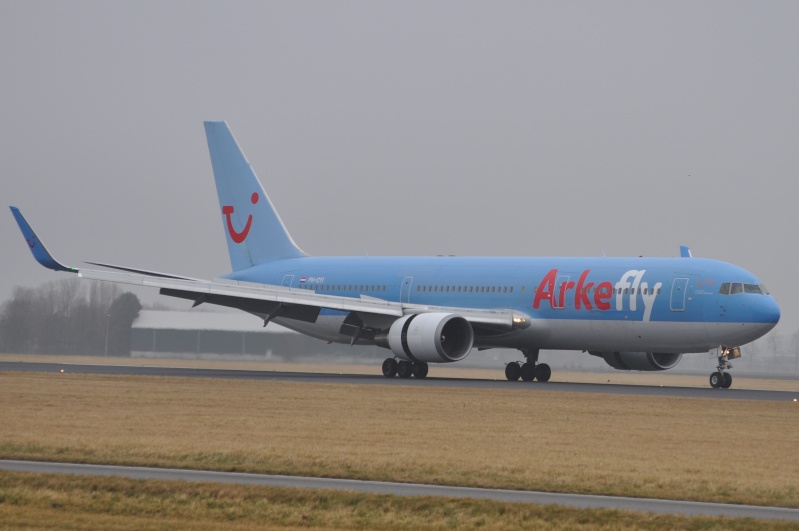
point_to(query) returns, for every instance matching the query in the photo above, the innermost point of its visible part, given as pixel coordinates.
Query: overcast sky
(491, 128)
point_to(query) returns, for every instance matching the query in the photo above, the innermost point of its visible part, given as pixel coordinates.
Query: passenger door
(678, 289)
(405, 290)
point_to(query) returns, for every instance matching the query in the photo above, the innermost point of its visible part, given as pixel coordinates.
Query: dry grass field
(713, 450)
(65, 502)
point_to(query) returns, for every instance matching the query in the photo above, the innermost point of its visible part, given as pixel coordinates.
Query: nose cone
(772, 311)
(767, 311)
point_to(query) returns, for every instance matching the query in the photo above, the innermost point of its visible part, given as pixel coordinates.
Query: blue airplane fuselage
(580, 303)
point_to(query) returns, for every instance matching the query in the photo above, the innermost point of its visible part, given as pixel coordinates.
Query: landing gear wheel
(528, 372)
(727, 380)
(389, 367)
(512, 371)
(405, 369)
(721, 378)
(543, 372)
(420, 369)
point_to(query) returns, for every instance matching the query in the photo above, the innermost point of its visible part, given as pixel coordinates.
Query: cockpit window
(731, 288)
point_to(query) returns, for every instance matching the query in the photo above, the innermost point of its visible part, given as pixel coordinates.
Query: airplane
(635, 313)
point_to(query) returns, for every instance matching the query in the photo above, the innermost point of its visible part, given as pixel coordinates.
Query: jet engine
(639, 361)
(430, 337)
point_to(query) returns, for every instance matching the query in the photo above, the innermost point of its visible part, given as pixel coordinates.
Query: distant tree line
(68, 317)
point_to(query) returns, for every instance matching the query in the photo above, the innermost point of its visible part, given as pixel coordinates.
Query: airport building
(155, 333)
(233, 335)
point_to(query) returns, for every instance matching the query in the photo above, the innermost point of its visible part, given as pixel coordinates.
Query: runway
(413, 489)
(361, 379)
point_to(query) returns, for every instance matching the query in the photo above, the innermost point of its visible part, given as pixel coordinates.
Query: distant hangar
(199, 334)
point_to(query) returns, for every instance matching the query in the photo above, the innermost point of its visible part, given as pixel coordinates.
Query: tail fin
(254, 232)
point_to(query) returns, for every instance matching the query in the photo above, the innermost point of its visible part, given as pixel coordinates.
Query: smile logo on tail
(227, 210)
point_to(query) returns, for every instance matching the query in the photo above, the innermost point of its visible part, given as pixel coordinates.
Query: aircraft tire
(716, 379)
(513, 371)
(727, 381)
(420, 369)
(528, 372)
(389, 367)
(542, 372)
(405, 369)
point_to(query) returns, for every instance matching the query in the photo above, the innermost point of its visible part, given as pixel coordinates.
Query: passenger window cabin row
(427, 288)
(358, 288)
(727, 288)
(464, 289)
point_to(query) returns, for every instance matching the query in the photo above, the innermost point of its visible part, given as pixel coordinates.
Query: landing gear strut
(404, 369)
(720, 378)
(529, 370)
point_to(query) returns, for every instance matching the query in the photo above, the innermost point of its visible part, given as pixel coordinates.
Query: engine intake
(431, 337)
(639, 361)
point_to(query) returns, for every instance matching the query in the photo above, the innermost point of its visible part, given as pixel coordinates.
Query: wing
(272, 301)
(266, 300)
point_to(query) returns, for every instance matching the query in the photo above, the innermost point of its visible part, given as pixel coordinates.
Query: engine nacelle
(639, 361)
(431, 337)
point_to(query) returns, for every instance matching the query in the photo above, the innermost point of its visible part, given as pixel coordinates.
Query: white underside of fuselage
(593, 335)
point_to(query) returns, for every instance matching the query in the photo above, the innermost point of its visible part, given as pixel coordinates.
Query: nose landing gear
(529, 370)
(721, 378)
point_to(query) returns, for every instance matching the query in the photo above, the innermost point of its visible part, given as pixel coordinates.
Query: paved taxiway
(413, 489)
(686, 392)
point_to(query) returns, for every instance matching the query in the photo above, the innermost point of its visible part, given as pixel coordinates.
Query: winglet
(685, 252)
(40, 252)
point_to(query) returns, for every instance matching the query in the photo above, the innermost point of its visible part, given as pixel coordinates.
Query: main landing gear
(529, 370)
(720, 378)
(404, 369)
